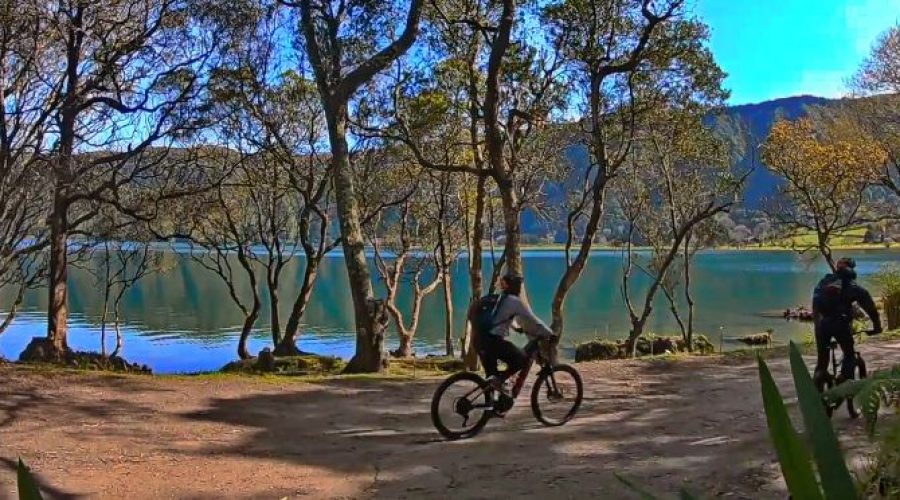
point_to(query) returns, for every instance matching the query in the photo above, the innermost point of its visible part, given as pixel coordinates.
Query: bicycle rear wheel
(461, 405)
(861, 373)
(556, 395)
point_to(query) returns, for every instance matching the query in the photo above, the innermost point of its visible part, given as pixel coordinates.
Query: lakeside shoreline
(424, 367)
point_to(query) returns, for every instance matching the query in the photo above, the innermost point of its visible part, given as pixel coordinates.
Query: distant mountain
(749, 125)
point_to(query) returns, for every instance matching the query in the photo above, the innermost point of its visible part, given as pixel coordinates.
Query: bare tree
(676, 177)
(617, 52)
(126, 257)
(344, 56)
(412, 261)
(127, 74)
(25, 60)
(222, 235)
(878, 80)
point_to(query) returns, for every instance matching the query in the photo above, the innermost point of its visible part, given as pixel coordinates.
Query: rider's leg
(514, 358)
(823, 339)
(487, 351)
(844, 336)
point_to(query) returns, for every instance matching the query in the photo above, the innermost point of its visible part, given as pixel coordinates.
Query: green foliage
(835, 476)
(26, 484)
(882, 478)
(887, 279)
(888, 282)
(794, 457)
(881, 388)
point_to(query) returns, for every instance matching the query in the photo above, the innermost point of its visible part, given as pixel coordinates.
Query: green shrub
(880, 388)
(288, 365)
(888, 282)
(882, 475)
(599, 349)
(647, 345)
(795, 457)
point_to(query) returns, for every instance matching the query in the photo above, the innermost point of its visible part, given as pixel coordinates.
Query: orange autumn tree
(828, 167)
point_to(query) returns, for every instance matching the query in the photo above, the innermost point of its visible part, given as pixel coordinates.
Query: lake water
(184, 320)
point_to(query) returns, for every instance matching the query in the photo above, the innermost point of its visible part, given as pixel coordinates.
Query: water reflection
(184, 320)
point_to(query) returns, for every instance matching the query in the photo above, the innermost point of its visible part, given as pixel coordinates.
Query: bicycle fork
(520, 381)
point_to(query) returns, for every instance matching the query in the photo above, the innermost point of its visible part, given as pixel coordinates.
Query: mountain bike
(464, 403)
(829, 380)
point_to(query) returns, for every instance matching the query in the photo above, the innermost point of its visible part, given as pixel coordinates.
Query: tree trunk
(288, 344)
(825, 250)
(512, 226)
(116, 322)
(688, 296)
(368, 313)
(404, 350)
(476, 278)
(495, 136)
(476, 273)
(448, 312)
(246, 329)
(369, 356)
(637, 329)
(576, 267)
(119, 341)
(106, 290)
(103, 317)
(58, 306)
(274, 313)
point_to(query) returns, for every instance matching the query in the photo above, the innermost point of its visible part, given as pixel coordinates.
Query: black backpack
(829, 297)
(483, 314)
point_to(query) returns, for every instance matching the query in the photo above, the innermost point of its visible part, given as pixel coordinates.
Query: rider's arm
(530, 323)
(864, 299)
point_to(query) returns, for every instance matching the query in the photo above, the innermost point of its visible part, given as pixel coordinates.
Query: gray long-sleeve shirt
(511, 310)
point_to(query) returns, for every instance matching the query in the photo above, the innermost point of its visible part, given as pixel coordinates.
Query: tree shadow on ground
(47, 490)
(648, 432)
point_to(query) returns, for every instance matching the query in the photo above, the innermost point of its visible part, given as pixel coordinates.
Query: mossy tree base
(41, 350)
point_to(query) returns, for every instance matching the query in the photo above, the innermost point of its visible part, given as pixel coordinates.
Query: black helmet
(846, 262)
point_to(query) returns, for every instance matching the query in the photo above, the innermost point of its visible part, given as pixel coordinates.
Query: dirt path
(696, 423)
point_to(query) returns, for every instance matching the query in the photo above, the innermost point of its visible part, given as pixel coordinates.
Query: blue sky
(780, 48)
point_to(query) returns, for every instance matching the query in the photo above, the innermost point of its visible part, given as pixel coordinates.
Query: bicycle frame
(521, 374)
(834, 346)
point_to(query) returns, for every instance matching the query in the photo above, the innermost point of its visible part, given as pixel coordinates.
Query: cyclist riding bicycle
(833, 301)
(509, 312)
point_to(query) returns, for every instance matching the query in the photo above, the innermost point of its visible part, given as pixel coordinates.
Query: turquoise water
(184, 320)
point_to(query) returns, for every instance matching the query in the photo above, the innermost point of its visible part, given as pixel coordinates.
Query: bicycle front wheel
(461, 405)
(556, 395)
